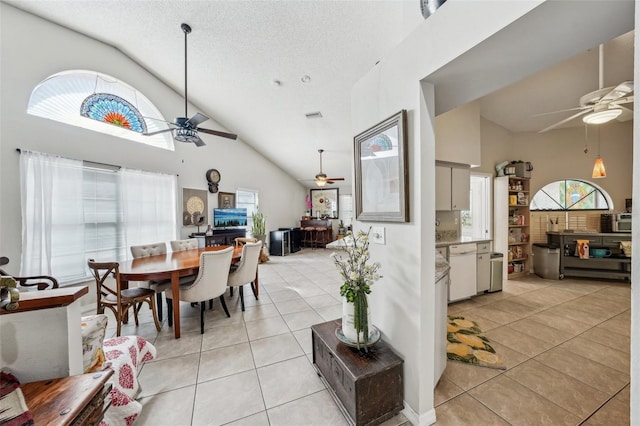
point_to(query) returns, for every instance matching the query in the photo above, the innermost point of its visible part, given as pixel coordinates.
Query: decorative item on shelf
(358, 276)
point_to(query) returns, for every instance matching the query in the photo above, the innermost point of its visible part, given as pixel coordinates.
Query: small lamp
(598, 167)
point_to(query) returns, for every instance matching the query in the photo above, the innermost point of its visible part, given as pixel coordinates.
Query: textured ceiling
(237, 49)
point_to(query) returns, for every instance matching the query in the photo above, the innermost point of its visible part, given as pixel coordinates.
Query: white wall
(458, 135)
(463, 51)
(497, 146)
(402, 302)
(33, 49)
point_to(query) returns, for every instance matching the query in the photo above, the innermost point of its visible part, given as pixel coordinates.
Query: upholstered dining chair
(245, 273)
(146, 250)
(211, 282)
(181, 245)
(117, 299)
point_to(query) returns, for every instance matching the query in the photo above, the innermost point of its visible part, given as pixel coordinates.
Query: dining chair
(117, 299)
(246, 271)
(181, 245)
(41, 282)
(146, 250)
(211, 282)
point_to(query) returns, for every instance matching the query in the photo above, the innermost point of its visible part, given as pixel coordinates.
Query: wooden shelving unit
(512, 224)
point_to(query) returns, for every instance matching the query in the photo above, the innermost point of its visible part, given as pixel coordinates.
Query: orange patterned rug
(466, 343)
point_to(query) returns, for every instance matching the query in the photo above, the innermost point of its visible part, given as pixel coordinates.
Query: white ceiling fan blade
(566, 120)
(560, 110)
(619, 91)
(627, 100)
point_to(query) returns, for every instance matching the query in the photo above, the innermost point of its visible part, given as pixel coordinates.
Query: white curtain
(72, 212)
(52, 219)
(148, 203)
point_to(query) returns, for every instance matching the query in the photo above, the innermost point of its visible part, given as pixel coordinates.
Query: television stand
(223, 237)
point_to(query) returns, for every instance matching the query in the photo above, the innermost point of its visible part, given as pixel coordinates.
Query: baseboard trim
(425, 419)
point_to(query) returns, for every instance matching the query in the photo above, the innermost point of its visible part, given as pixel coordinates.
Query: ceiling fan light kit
(321, 178)
(602, 105)
(601, 117)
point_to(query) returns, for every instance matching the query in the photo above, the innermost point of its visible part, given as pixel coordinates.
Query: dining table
(172, 265)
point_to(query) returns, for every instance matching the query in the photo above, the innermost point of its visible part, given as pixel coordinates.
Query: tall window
(476, 222)
(571, 194)
(247, 198)
(73, 211)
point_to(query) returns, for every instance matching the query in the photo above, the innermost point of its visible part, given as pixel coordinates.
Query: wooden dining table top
(186, 262)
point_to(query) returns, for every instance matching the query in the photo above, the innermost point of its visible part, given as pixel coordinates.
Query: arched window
(101, 103)
(571, 194)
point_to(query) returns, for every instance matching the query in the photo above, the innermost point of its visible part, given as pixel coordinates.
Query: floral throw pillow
(93, 330)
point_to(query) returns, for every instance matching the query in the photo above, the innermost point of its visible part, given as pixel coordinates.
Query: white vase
(348, 325)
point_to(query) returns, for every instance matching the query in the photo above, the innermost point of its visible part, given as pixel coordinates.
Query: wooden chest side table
(368, 386)
(72, 400)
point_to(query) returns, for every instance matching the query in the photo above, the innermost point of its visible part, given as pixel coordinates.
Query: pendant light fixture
(598, 168)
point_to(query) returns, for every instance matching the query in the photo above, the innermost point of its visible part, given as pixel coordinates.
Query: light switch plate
(377, 234)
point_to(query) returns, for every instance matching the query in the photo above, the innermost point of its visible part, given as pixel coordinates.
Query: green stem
(360, 319)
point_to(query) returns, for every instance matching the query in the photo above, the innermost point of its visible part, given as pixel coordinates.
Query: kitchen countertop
(461, 240)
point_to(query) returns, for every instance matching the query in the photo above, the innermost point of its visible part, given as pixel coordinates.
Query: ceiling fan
(186, 129)
(602, 105)
(321, 178)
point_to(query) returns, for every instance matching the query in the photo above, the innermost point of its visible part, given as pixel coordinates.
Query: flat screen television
(229, 218)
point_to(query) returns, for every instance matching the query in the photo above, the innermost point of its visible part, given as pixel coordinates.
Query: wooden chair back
(42, 282)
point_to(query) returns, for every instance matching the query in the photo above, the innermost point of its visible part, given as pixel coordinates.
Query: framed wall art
(380, 153)
(324, 202)
(226, 200)
(194, 207)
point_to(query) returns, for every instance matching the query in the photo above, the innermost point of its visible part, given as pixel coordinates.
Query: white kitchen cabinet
(452, 188)
(462, 275)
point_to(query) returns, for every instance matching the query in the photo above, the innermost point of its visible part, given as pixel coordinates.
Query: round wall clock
(213, 176)
(213, 187)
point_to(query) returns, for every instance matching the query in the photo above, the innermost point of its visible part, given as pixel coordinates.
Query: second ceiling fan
(321, 178)
(602, 105)
(186, 129)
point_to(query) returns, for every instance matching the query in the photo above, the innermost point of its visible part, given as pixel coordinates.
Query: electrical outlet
(377, 234)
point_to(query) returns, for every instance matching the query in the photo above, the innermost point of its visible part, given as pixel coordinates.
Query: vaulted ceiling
(248, 60)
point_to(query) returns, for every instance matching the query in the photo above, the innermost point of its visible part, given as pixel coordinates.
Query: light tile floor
(566, 345)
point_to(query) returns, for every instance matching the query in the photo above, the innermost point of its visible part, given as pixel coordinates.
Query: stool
(308, 238)
(321, 236)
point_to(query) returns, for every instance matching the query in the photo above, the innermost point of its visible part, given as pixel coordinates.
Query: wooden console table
(73, 400)
(368, 387)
